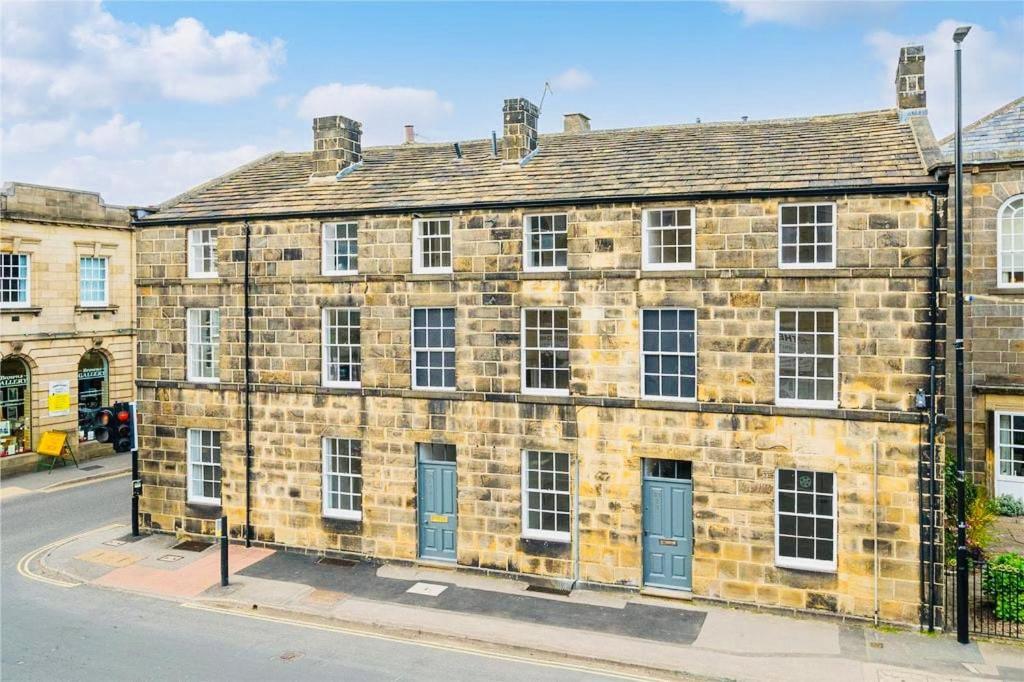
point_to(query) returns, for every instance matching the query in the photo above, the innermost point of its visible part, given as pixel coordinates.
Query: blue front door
(668, 533)
(438, 509)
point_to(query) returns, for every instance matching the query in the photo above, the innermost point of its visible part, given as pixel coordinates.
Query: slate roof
(996, 137)
(847, 150)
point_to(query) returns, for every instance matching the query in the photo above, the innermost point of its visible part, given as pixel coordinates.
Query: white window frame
(328, 511)
(645, 240)
(417, 247)
(325, 379)
(537, 534)
(1000, 256)
(528, 252)
(193, 263)
(195, 496)
(815, 265)
(327, 258)
(28, 282)
(643, 359)
(106, 282)
(189, 344)
(797, 402)
(816, 565)
(522, 354)
(441, 349)
(997, 445)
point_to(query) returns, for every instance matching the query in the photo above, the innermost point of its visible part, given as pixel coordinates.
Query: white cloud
(572, 79)
(800, 12)
(382, 111)
(993, 69)
(33, 137)
(113, 135)
(148, 179)
(77, 55)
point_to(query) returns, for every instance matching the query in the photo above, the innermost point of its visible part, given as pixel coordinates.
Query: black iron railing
(995, 600)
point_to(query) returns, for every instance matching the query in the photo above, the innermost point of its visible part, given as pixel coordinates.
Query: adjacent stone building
(993, 149)
(67, 310)
(689, 358)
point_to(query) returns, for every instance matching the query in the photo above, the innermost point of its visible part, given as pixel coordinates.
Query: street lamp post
(962, 635)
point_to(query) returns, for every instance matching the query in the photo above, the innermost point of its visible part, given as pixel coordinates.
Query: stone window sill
(33, 310)
(96, 308)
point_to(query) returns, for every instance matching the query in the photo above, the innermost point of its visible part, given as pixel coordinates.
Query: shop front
(93, 384)
(15, 407)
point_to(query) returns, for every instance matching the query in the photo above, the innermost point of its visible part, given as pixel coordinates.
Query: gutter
(855, 190)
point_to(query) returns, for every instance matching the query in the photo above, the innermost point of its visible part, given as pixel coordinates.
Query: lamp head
(960, 33)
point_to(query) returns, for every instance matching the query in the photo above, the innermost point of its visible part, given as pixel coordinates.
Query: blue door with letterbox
(438, 501)
(668, 524)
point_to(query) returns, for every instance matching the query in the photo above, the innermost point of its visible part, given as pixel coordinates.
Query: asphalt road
(86, 633)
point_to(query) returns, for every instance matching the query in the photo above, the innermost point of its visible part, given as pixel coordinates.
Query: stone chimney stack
(410, 133)
(337, 144)
(576, 123)
(519, 136)
(910, 94)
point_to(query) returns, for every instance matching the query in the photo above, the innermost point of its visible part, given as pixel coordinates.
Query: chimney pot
(337, 144)
(576, 123)
(911, 98)
(519, 135)
(410, 134)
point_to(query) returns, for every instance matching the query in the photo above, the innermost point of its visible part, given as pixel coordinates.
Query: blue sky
(142, 100)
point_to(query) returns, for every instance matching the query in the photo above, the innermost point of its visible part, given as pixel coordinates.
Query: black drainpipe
(933, 352)
(247, 314)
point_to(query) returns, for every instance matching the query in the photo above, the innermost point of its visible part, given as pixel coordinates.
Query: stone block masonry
(733, 434)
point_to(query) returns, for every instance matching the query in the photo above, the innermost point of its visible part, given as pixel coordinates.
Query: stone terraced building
(692, 359)
(993, 150)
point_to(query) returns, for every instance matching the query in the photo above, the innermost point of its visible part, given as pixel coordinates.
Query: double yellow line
(24, 564)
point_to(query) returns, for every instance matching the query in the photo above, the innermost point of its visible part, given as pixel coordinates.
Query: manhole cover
(114, 543)
(192, 545)
(92, 467)
(332, 561)
(547, 590)
(170, 557)
(427, 589)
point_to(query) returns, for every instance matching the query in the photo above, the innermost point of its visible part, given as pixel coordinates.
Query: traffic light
(103, 425)
(116, 425)
(124, 428)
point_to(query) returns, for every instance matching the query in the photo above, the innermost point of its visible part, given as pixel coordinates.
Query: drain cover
(170, 557)
(547, 590)
(192, 545)
(92, 467)
(427, 589)
(333, 561)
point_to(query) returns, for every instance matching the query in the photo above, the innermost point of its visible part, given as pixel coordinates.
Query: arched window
(93, 385)
(1010, 243)
(15, 406)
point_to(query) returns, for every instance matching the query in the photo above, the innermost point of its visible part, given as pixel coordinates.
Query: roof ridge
(217, 180)
(654, 127)
(1012, 104)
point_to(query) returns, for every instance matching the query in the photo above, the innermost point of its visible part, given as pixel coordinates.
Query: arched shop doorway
(93, 385)
(15, 406)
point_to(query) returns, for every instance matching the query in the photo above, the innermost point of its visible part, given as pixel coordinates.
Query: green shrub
(1004, 583)
(980, 515)
(1008, 505)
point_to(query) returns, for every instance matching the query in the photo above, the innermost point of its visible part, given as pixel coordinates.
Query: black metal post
(224, 551)
(136, 491)
(962, 630)
(247, 314)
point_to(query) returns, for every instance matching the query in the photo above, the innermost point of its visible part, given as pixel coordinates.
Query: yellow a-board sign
(54, 444)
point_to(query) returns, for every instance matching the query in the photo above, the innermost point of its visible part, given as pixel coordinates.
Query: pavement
(63, 477)
(617, 632)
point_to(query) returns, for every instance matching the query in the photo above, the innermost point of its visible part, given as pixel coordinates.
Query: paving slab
(188, 581)
(761, 633)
